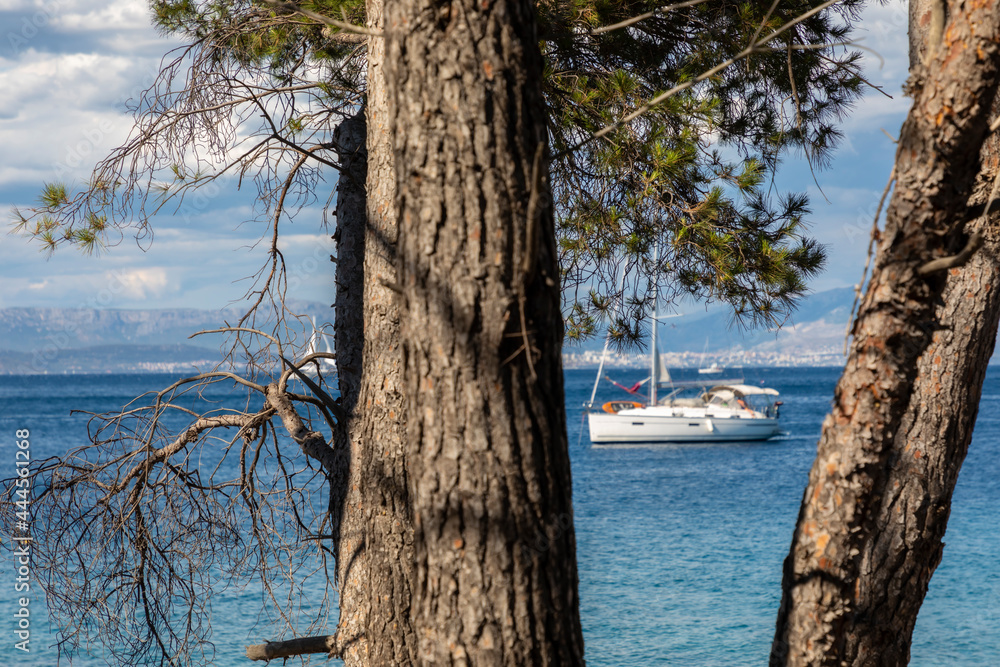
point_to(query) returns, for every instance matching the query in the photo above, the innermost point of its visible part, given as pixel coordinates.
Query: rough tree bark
(347, 508)
(496, 578)
(874, 512)
(375, 547)
(938, 423)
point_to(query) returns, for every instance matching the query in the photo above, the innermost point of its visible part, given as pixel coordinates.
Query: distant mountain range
(818, 324)
(89, 340)
(814, 335)
(86, 340)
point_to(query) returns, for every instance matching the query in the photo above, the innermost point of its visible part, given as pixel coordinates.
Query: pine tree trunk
(375, 548)
(897, 561)
(938, 423)
(874, 512)
(496, 578)
(346, 506)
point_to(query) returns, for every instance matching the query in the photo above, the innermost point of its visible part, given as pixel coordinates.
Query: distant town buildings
(824, 356)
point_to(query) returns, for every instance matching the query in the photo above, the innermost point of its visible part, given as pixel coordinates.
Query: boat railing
(704, 382)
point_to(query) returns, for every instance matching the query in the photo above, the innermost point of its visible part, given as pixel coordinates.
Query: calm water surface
(680, 547)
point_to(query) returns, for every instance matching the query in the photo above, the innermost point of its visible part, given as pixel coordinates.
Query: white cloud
(883, 35)
(299, 242)
(139, 284)
(69, 66)
(107, 289)
(97, 16)
(49, 6)
(78, 26)
(861, 165)
(197, 267)
(61, 121)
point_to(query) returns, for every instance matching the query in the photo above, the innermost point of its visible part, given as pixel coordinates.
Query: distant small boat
(714, 369)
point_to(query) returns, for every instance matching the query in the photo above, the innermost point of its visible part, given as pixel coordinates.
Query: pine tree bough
(327, 400)
(342, 25)
(868, 533)
(313, 443)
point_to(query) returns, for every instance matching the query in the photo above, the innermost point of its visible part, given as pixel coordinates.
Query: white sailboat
(714, 369)
(319, 343)
(727, 411)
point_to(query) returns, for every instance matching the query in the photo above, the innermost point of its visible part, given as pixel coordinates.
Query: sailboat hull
(635, 427)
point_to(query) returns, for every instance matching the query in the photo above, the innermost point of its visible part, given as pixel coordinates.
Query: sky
(68, 66)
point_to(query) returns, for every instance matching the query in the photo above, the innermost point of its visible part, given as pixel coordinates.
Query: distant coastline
(187, 359)
(108, 359)
(754, 358)
(57, 341)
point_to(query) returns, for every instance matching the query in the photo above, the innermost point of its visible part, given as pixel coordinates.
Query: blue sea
(680, 547)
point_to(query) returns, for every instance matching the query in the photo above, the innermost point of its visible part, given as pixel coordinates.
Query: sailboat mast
(654, 352)
(600, 369)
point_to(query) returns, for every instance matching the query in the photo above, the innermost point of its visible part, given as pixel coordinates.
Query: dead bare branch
(291, 648)
(944, 263)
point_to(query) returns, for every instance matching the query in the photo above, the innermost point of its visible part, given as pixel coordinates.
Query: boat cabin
(757, 399)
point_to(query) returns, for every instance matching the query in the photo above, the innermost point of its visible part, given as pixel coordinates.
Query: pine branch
(642, 17)
(343, 25)
(661, 98)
